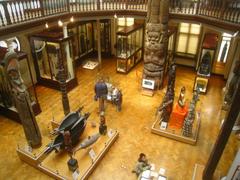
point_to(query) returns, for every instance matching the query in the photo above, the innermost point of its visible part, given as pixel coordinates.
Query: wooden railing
(17, 11)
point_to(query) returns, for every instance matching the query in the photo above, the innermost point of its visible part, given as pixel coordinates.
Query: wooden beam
(223, 135)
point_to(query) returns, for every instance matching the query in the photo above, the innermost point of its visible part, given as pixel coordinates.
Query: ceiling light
(60, 23)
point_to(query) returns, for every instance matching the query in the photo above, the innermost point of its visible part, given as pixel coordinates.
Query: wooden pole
(223, 135)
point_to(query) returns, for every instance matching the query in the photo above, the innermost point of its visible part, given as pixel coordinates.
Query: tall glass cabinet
(129, 47)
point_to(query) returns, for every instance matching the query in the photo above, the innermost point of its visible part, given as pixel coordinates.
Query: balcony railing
(17, 11)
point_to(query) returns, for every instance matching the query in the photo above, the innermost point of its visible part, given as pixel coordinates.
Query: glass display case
(105, 31)
(129, 47)
(49, 49)
(86, 38)
(7, 106)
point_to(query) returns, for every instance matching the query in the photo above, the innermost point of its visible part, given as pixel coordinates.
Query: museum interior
(120, 89)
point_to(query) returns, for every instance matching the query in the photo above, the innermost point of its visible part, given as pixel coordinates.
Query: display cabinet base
(56, 164)
(13, 114)
(54, 84)
(177, 134)
(198, 171)
(147, 92)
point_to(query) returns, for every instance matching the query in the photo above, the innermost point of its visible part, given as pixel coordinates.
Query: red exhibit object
(177, 117)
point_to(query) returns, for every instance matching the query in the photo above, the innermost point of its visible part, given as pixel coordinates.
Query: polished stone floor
(133, 122)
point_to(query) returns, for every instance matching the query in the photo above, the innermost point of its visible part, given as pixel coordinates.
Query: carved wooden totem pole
(156, 42)
(22, 100)
(61, 76)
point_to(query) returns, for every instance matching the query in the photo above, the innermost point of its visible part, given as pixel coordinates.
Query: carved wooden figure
(156, 41)
(22, 100)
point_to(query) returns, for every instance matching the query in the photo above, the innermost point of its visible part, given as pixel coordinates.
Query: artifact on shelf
(22, 100)
(156, 42)
(205, 66)
(75, 123)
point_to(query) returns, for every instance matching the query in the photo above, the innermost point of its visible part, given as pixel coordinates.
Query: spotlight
(72, 19)
(46, 26)
(115, 16)
(60, 23)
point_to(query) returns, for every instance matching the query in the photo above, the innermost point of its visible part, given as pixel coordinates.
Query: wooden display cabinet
(7, 107)
(129, 47)
(48, 48)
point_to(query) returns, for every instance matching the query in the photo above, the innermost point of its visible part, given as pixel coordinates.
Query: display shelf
(176, 134)
(198, 171)
(55, 164)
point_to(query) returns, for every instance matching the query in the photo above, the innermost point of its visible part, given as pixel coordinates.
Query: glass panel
(138, 56)
(74, 45)
(129, 21)
(68, 59)
(42, 59)
(130, 63)
(184, 27)
(82, 39)
(121, 21)
(195, 29)
(129, 45)
(121, 65)
(182, 43)
(192, 44)
(89, 40)
(53, 53)
(133, 42)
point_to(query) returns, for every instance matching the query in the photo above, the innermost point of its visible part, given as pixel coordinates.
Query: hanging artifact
(156, 42)
(22, 100)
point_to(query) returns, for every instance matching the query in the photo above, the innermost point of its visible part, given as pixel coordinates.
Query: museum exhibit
(120, 89)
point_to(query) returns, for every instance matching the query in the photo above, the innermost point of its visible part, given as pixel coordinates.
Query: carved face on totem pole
(14, 74)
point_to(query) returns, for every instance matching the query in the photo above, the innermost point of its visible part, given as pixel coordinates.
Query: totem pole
(156, 42)
(22, 100)
(61, 76)
(188, 121)
(167, 103)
